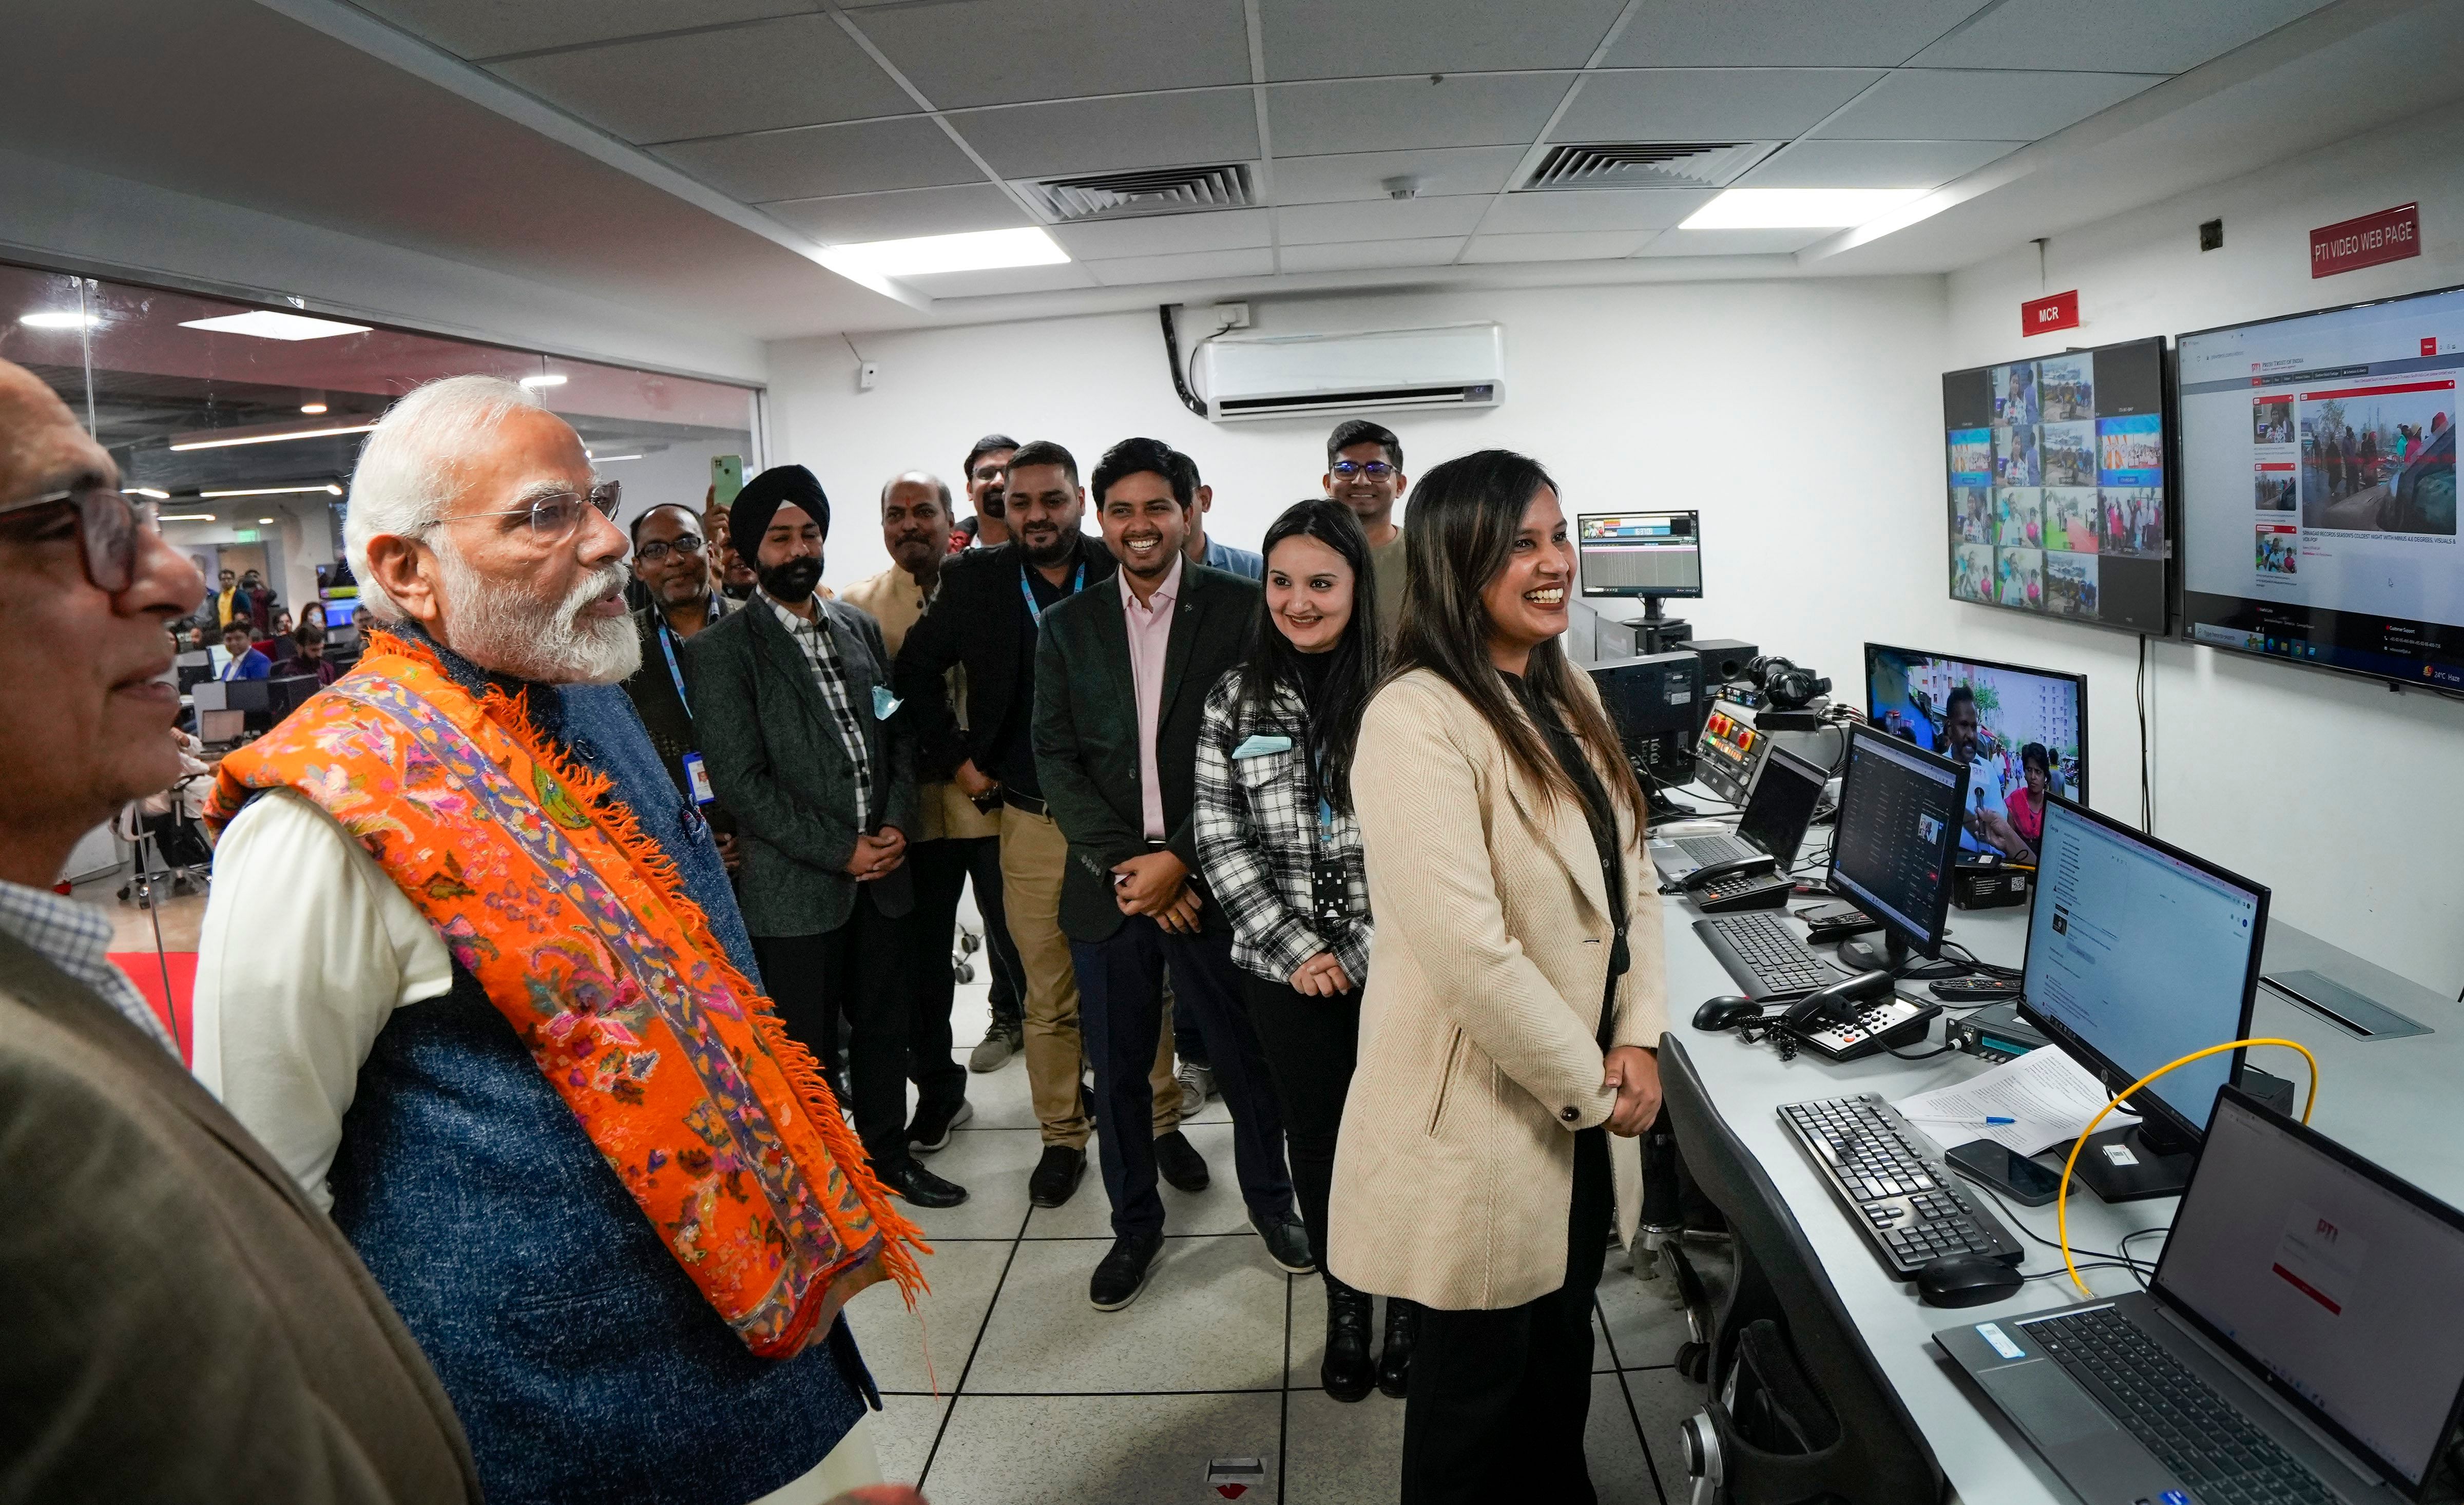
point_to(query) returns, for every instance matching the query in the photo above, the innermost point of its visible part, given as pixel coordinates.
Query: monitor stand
(2131, 1165)
(1896, 957)
(1659, 633)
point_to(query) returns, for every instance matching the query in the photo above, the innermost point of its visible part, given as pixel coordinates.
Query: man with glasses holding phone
(181, 1323)
(472, 970)
(1364, 472)
(671, 559)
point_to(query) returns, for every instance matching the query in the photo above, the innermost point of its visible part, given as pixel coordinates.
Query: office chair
(1798, 1411)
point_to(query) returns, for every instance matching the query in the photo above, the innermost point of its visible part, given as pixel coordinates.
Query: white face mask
(498, 629)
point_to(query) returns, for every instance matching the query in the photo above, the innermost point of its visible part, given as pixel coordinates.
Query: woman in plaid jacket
(1282, 853)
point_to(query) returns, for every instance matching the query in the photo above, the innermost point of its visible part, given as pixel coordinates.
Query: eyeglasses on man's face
(109, 527)
(1374, 469)
(554, 517)
(687, 547)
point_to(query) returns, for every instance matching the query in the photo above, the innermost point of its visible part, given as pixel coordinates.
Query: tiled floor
(1005, 1386)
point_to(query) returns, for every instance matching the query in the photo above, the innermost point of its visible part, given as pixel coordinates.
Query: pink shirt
(1150, 635)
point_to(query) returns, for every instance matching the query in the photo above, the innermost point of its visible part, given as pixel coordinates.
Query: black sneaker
(922, 1187)
(1124, 1271)
(1055, 1177)
(1286, 1243)
(930, 1130)
(1178, 1161)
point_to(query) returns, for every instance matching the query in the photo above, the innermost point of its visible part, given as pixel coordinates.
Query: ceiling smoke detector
(1646, 164)
(1151, 190)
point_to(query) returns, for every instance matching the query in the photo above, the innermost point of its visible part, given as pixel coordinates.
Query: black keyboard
(1904, 1200)
(1705, 850)
(2205, 1440)
(1764, 957)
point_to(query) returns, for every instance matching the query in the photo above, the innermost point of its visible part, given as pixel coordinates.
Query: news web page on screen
(2319, 488)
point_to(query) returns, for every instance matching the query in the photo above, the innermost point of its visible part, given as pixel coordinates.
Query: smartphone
(726, 478)
(2015, 1176)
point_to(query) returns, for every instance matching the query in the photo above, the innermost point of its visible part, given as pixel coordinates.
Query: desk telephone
(1856, 1017)
(1744, 883)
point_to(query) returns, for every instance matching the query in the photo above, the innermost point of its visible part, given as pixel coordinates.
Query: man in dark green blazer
(1121, 679)
(792, 702)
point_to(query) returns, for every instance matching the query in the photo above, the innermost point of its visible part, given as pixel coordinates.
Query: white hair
(406, 477)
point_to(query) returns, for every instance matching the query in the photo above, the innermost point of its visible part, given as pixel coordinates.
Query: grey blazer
(776, 762)
(181, 1324)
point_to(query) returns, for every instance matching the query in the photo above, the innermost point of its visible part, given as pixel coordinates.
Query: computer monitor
(2021, 732)
(1896, 840)
(220, 727)
(2140, 953)
(289, 694)
(1652, 555)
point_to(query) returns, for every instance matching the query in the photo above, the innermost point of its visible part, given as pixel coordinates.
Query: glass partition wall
(242, 422)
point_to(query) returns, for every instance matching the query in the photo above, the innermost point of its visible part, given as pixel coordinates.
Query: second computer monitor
(1646, 555)
(1897, 837)
(2021, 732)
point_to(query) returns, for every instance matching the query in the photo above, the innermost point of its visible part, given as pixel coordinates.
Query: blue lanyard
(668, 646)
(1035, 612)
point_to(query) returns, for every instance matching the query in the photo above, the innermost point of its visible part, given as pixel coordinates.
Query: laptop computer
(1773, 823)
(2299, 1343)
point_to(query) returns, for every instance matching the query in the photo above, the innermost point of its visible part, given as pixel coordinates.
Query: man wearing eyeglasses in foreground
(670, 561)
(1364, 472)
(473, 971)
(181, 1323)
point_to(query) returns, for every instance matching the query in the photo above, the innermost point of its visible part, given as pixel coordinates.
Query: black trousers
(1009, 973)
(857, 975)
(1499, 1399)
(942, 870)
(1311, 1045)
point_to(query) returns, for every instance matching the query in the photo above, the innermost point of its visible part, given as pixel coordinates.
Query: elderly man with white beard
(473, 971)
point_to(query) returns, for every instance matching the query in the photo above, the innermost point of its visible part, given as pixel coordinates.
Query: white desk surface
(2399, 1101)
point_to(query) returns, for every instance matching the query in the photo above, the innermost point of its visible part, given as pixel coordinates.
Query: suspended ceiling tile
(1169, 234)
(1873, 165)
(2117, 35)
(1080, 136)
(963, 52)
(868, 156)
(1577, 211)
(1700, 104)
(798, 71)
(1357, 39)
(1363, 175)
(1378, 219)
(1943, 104)
(902, 214)
(492, 28)
(1204, 265)
(1738, 33)
(1733, 242)
(1360, 254)
(1317, 120)
(1002, 281)
(1587, 245)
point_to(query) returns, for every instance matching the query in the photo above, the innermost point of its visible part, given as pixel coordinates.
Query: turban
(780, 486)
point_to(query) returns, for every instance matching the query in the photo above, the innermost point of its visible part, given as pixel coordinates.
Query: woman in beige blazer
(1515, 994)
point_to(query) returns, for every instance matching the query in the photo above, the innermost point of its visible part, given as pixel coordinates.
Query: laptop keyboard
(1705, 850)
(2207, 1442)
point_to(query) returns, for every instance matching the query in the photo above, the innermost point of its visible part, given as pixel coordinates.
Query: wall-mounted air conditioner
(1284, 376)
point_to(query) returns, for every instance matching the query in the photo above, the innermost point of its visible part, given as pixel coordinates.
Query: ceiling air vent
(1647, 164)
(1151, 190)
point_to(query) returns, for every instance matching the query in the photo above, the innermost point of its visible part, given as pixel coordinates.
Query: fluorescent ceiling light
(327, 433)
(265, 519)
(977, 250)
(146, 490)
(610, 459)
(1798, 208)
(552, 379)
(185, 518)
(328, 489)
(312, 407)
(266, 324)
(69, 319)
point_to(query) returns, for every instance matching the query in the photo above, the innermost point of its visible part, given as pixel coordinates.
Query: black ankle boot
(1348, 1374)
(1403, 1331)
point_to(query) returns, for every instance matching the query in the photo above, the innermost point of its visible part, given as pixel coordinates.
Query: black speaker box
(1724, 659)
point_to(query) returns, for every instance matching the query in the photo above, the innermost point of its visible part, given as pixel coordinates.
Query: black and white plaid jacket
(1258, 831)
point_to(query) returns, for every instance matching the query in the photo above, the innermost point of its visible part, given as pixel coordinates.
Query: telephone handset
(1702, 878)
(1837, 1004)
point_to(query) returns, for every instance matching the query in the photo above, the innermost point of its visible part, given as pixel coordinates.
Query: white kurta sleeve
(307, 948)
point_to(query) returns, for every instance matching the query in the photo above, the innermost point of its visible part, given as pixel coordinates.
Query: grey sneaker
(1000, 1043)
(1196, 1085)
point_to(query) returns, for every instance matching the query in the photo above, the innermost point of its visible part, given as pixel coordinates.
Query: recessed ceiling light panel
(56, 319)
(264, 323)
(1798, 208)
(974, 251)
(545, 379)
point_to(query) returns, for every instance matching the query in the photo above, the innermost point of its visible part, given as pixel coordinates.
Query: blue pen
(1989, 1119)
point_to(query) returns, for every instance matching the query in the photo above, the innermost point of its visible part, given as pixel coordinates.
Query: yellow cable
(2062, 1197)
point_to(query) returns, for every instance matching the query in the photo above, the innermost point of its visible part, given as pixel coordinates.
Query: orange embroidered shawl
(579, 930)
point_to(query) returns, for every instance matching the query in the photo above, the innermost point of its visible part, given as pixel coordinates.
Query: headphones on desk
(1786, 685)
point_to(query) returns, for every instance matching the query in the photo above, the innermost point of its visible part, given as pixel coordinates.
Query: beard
(792, 581)
(498, 629)
(1064, 541)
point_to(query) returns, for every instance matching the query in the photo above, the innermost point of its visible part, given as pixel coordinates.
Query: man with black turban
(792, 701)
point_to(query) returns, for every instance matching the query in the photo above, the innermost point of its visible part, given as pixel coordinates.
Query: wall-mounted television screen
(2058, 485)
(2319, 488)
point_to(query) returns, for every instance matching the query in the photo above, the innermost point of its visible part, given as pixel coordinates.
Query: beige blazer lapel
(1561, 824)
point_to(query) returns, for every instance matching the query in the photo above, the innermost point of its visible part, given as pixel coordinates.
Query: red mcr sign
(2369, 241)
(2044, 316)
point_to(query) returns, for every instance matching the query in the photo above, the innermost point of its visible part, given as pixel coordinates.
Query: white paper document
(2047, 1096)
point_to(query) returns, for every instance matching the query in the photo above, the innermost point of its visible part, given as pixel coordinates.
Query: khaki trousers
(1034, 855)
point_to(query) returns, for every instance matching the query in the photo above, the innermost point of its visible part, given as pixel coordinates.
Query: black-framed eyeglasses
(555, 515)
(109, 527)
(689, 546)
(1374, 469)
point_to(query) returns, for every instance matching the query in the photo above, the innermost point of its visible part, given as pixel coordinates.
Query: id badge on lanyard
(698, 779)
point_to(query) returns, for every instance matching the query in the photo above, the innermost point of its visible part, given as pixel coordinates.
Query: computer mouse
(1727, 1013)
(1966, 1280)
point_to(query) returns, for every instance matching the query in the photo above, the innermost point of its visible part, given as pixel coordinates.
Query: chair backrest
(1881, 1458)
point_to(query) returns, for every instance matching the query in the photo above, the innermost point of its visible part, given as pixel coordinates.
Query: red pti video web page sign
(2045, 314)
(2369, 241)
